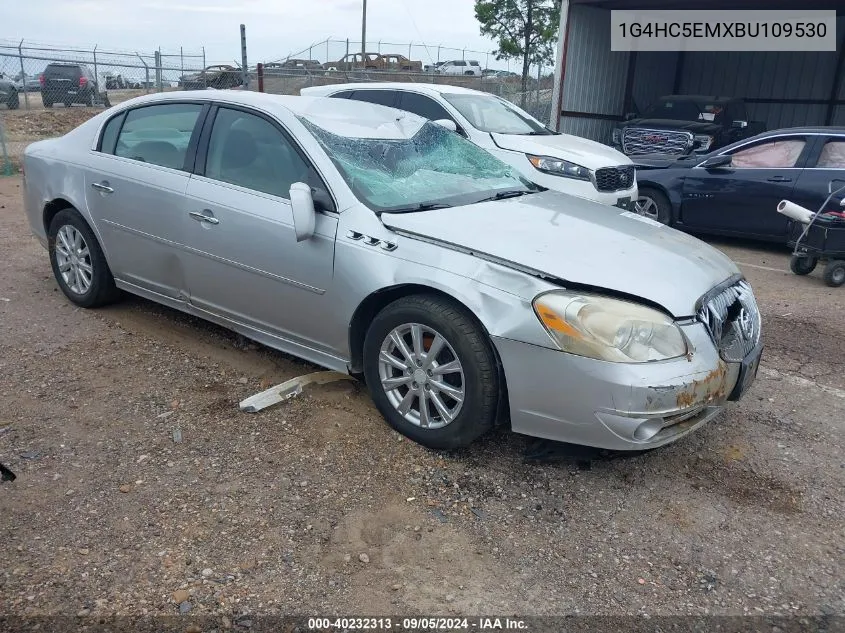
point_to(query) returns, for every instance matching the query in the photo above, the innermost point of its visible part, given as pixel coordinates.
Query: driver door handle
(202, 217)
(780, 179)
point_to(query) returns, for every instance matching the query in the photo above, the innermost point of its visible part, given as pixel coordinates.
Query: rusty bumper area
(616, 406)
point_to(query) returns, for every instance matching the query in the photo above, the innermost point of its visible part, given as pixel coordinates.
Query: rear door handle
(202, 217)
(780, 179)
(104, 187)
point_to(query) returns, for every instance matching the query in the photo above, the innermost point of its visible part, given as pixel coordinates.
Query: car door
(244, 263)
(135, 186)
(826, 165)
(742, 198)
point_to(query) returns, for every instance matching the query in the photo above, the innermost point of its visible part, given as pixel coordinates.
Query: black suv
(69, 84)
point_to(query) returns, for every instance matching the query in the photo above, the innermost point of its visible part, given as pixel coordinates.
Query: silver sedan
(370, 241)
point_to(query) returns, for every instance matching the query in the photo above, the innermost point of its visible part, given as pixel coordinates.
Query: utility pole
(364, 29)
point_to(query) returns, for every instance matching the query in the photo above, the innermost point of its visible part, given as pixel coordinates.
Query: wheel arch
(53, 207)
(379, 299)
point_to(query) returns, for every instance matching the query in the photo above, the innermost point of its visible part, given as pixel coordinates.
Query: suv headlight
(608, 329)
(701, 142)
(559, 167)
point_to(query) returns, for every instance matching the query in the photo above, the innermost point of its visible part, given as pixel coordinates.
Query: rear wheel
(654, 204)
(803, 265)
(431, 371)
(834, 273)
(78, 262)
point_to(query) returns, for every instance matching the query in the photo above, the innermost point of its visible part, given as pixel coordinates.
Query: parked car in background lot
(295, 66)
(357, 61)
(28, 83)
(219, 76)
(562, 162)
(735, 190)
(684, 124)
(459, 67)
(9, 92)
(395, 62)
(71, 83)
(335, 231)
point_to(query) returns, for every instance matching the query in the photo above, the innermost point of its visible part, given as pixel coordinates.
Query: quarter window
(249, 151)
(832, 156)
(107, 141)
(158, 134)
(772, 155)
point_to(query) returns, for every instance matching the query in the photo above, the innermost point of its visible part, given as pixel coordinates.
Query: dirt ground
(316, 506)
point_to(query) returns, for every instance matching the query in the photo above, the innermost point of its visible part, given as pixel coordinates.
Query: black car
(9, 92)
(735, 190)
(686, 124)
(69, 84)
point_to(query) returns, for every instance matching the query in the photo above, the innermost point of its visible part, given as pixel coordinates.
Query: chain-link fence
(74, 83)
(341, 61)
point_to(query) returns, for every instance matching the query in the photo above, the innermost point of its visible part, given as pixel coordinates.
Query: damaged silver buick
(373, 242)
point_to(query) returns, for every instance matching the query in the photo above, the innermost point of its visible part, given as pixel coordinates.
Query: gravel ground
(316, 506)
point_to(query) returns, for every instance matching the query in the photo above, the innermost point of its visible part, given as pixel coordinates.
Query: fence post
(147, 72)
(409, 49)
(260, 70)
(464, 54)
(23, 78)
(379, 47)
(96, 74)
(310, 55)
(157, 61)
(244, 64)
(438, 53)
(347, 47)
(181, 62)
(327, 51)
(203, 68)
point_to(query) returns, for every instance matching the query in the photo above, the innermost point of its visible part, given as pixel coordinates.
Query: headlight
(559, 167)
(702, 142)
(609, 329)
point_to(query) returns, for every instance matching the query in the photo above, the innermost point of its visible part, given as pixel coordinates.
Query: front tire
(431, 371)
(78, 262)
(654, 204)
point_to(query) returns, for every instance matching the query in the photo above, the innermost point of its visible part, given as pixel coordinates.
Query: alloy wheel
(421, 375)
(74, 259)
(647, 207)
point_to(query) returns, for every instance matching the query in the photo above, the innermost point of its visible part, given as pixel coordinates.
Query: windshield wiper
(423, 206)
(510, 193)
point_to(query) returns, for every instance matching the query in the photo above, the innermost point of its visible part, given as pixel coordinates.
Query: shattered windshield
(490, 114)
(433, 169)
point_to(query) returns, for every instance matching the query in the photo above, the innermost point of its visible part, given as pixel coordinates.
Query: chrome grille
(636, 140)
(733, 320)
(615, 178)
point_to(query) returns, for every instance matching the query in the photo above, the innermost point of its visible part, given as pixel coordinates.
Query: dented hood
(580, 242)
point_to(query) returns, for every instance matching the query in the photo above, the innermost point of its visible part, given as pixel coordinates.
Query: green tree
(523, 29)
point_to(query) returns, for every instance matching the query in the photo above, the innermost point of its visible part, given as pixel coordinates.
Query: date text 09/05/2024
(416, 624)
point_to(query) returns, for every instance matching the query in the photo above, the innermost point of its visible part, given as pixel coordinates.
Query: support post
(244, 63)
(364, 29)
(260, 70)
(560, 66)
(23, 77)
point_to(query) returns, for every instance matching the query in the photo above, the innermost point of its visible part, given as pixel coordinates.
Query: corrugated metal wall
(595, 78)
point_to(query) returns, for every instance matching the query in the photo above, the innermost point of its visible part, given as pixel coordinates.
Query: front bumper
(618, 406)
(624, 199)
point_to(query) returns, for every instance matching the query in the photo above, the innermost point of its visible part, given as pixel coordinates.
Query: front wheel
(834, 273)
(803, 265)
(654, 204)
(431, 371)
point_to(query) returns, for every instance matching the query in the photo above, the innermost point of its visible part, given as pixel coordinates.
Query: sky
(275, 28)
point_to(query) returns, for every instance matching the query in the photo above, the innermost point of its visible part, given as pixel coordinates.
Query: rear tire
(460, 401)
(654, 204)
(834, 273)
(78, 262)
(803, 265)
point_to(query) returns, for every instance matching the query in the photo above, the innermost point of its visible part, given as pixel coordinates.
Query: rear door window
(159, 134)
(423, 106)
(833, 155)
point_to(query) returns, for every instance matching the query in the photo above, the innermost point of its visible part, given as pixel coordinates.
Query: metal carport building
(595, 87)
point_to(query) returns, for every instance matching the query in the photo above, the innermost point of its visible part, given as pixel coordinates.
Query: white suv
(459, 67)
(562, 162)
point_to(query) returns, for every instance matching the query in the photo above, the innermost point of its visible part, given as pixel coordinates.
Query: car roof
(430, 89)
(803, 130)
(355, 119)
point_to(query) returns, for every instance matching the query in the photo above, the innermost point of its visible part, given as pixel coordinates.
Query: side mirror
(302, 206)
(447, 123)
(715, 162)
(739, 125)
